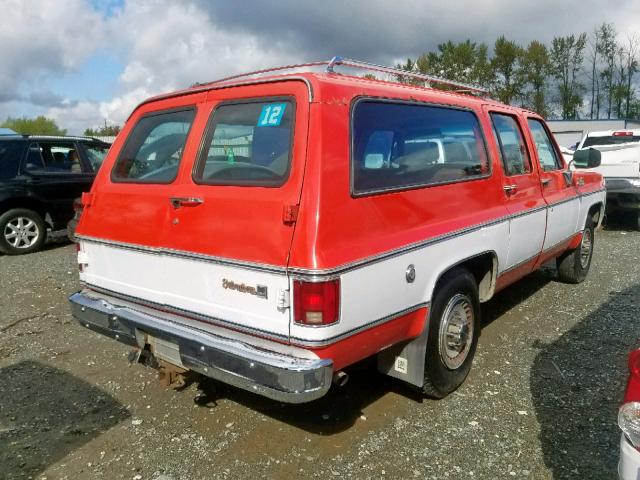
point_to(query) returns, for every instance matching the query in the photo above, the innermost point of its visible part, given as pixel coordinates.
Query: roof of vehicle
(316, 80)
(17, 136)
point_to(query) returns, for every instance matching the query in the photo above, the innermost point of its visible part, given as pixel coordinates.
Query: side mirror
(587, 158)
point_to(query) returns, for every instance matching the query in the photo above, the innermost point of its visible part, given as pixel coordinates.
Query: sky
(87, 62)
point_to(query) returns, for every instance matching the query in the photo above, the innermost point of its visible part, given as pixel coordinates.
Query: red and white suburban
(268, 231)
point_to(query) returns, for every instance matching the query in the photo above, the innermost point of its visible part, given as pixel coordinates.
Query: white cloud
(41, 37)
(169, 45)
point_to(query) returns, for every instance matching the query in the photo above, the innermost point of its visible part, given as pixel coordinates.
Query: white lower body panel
(191, 285)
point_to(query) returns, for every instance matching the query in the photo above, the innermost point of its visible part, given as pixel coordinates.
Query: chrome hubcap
(585, 248)
(456, 331)
(21, 232)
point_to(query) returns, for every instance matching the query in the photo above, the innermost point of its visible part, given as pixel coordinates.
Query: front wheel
(454, 327)
(574, 265)
(21, 231)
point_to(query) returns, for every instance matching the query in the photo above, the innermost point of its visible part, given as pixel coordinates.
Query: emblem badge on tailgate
(258, 290)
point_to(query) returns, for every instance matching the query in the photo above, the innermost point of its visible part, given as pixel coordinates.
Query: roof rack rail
(346, 62)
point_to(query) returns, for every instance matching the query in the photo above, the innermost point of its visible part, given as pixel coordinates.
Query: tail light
(316, 303)
(622, 134)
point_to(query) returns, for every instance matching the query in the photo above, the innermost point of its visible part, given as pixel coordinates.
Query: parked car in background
(620, 166)
(40, 176)
(270, 232)
(629, 422)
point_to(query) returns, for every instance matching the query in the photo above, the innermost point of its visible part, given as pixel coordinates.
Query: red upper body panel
(333, 227)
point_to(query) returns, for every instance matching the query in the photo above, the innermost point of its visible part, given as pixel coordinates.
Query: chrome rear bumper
(271, 374)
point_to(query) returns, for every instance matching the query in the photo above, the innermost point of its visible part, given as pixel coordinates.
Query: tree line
(42, 125)
(575, 76)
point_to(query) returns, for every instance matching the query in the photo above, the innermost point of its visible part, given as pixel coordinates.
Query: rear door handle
(178, 202)
(545, 181)
(510, 188)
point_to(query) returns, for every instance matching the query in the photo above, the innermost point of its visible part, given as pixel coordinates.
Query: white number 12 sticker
(271, 115)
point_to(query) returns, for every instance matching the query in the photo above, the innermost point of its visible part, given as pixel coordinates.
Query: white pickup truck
(620, 167)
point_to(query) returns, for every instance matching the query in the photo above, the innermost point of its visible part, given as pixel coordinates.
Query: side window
(95, 155)
(398, 145)
(513, 149)
(547, 154)
(52, 157)
(154, 147)
(10, 155)
(248, 144)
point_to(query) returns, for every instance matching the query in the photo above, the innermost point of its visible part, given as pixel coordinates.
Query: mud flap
(405, 361)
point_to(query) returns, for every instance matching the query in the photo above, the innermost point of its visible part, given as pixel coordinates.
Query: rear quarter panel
(427, 227)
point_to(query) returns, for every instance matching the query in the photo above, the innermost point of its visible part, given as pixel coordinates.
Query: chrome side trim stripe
(313, 273)
(263, 267)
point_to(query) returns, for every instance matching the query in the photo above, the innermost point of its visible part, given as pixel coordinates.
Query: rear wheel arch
(484, 268)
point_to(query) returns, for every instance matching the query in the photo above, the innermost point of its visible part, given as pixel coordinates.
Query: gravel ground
(540, 402)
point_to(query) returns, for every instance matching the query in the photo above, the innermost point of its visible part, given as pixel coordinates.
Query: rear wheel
(574, 266)
(454, 327)
(21, 231)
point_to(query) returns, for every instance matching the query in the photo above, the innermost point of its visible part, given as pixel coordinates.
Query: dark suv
(40, 176)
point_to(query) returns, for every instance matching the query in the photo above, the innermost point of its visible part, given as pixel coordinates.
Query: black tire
(11, 220)
(456, 288)
(573, 266)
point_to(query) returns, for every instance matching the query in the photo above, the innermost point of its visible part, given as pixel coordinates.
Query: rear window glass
(610, 140)
(95, 155)
(398, 146)
(154, 147)
(10, 154)
(248, 144)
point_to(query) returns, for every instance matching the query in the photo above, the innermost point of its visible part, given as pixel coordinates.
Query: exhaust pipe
(340, 378)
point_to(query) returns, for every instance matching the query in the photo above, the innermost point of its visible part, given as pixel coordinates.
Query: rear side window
(547, 154)
(154, 148)
(10, 155)
(513, 149)
(52, 157)
(247, 144)
(398, 146)
(95, 154)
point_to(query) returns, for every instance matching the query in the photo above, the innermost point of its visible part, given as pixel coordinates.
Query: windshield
(610, 140)
(248, 144)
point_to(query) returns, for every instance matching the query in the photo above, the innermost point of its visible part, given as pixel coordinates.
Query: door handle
(545, 181)
(178, 202)
(510, 188)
